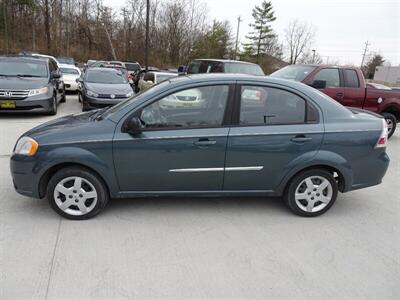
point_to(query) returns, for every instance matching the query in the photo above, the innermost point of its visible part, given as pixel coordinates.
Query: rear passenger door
(354, 95)
(274, 130)
(333, 79)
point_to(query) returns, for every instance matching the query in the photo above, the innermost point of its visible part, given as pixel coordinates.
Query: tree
(375, 61)
(298, 38)
(263, 35)
(215, 43)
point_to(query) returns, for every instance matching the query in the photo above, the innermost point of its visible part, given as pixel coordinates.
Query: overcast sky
(342, 26)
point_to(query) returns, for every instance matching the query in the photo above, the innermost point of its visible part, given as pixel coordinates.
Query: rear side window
(351, 78)
(270, 106)
(331, 76)
(203, 66)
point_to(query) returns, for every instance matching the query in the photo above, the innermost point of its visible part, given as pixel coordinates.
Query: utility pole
(237, 36)
(365, 52)
(313, 55)
(146, 53)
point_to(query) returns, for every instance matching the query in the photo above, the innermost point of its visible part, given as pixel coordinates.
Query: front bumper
(90, 103)
(33, 105)
(25, 181)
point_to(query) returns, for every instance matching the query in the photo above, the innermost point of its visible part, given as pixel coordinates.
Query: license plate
(7, 104)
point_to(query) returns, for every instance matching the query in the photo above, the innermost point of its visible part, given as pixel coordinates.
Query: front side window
(270, 106)
(331, 76)
(195, 107)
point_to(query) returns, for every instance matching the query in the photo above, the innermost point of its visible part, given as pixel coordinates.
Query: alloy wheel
(75, 196)
(390, 124)
(313, 194)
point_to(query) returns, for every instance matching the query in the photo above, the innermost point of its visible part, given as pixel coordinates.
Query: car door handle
(339, 95)
(301, 139)
(204, 142)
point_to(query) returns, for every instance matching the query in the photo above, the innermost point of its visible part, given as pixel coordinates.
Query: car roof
(69, 66)
(25, 58)
(165, 73)
(103, 69)
(225, 61)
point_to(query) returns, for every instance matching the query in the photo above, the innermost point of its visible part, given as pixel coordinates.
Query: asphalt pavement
(194, 248)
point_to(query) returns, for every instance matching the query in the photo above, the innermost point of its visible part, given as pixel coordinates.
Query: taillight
(383, 138)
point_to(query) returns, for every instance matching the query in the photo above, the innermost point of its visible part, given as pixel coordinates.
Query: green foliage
(215, 43)
(375, 61)
(262, 36)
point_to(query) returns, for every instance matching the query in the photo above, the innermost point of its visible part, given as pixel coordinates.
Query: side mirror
(319, 84)
(79, 80)
(133, 126)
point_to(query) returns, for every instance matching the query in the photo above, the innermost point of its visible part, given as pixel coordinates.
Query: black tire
(98, 186)
(392, 119)
(63, 97)
(294, 184)
(79, 97)
(54, 106)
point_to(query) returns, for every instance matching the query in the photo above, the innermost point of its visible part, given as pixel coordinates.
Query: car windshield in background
(23, 68)
(293, 72)
(163, 77)
(69, 71)
(132, 67)
(204, 66)
(106, 76)
(243, 68)
(66, 60)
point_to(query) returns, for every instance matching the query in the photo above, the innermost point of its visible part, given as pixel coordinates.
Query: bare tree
(298, 38)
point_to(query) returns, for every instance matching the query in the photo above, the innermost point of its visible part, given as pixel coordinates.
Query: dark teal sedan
(205, 135)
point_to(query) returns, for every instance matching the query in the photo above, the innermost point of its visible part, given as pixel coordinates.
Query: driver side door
(181, 146)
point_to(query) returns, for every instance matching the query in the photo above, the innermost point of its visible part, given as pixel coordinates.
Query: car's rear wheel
(311, 193)
(77, 193)
(391, 123)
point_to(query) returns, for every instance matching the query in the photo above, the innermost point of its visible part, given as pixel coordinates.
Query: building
(390, 75)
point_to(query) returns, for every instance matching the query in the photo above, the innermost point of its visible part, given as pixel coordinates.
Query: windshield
(243, 68)
(23, 68)
(107, 76)
(132, 67)
(69, 71)
(293, 72)
(66, 60)
(163, 77)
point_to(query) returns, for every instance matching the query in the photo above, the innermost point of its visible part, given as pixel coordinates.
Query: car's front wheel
(53, 108)
(311, 193)
(77, 193)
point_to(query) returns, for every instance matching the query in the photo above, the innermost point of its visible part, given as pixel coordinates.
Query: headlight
(130, 94)
(40, 91)
(26, 146)
(91, 94)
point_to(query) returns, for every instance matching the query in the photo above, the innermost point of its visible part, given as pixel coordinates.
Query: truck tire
(391, 121)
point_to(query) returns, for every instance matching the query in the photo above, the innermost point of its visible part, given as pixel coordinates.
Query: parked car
(66, 60)
(347, 86)
(70, 75)
(30, 84)
(102, 87)
(223, 66)
(253, 136)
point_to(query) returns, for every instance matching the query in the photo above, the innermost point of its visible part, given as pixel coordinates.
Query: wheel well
(335, 173)
(44, 180)
(394, 111)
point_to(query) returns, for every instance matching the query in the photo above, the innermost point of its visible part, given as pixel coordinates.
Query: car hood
(81, 127)
(22, 83)
(103, 88)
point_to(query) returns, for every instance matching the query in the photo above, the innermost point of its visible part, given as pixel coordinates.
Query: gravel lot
(190, 248)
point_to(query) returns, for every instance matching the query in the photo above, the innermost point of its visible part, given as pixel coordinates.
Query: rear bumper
(372, 173)
(29, 105)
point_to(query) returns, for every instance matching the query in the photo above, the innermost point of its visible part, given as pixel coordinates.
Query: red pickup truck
(347, 86)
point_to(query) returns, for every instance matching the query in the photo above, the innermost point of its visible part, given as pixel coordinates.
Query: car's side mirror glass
(78, 80)
(133, 126)
(319, 84)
